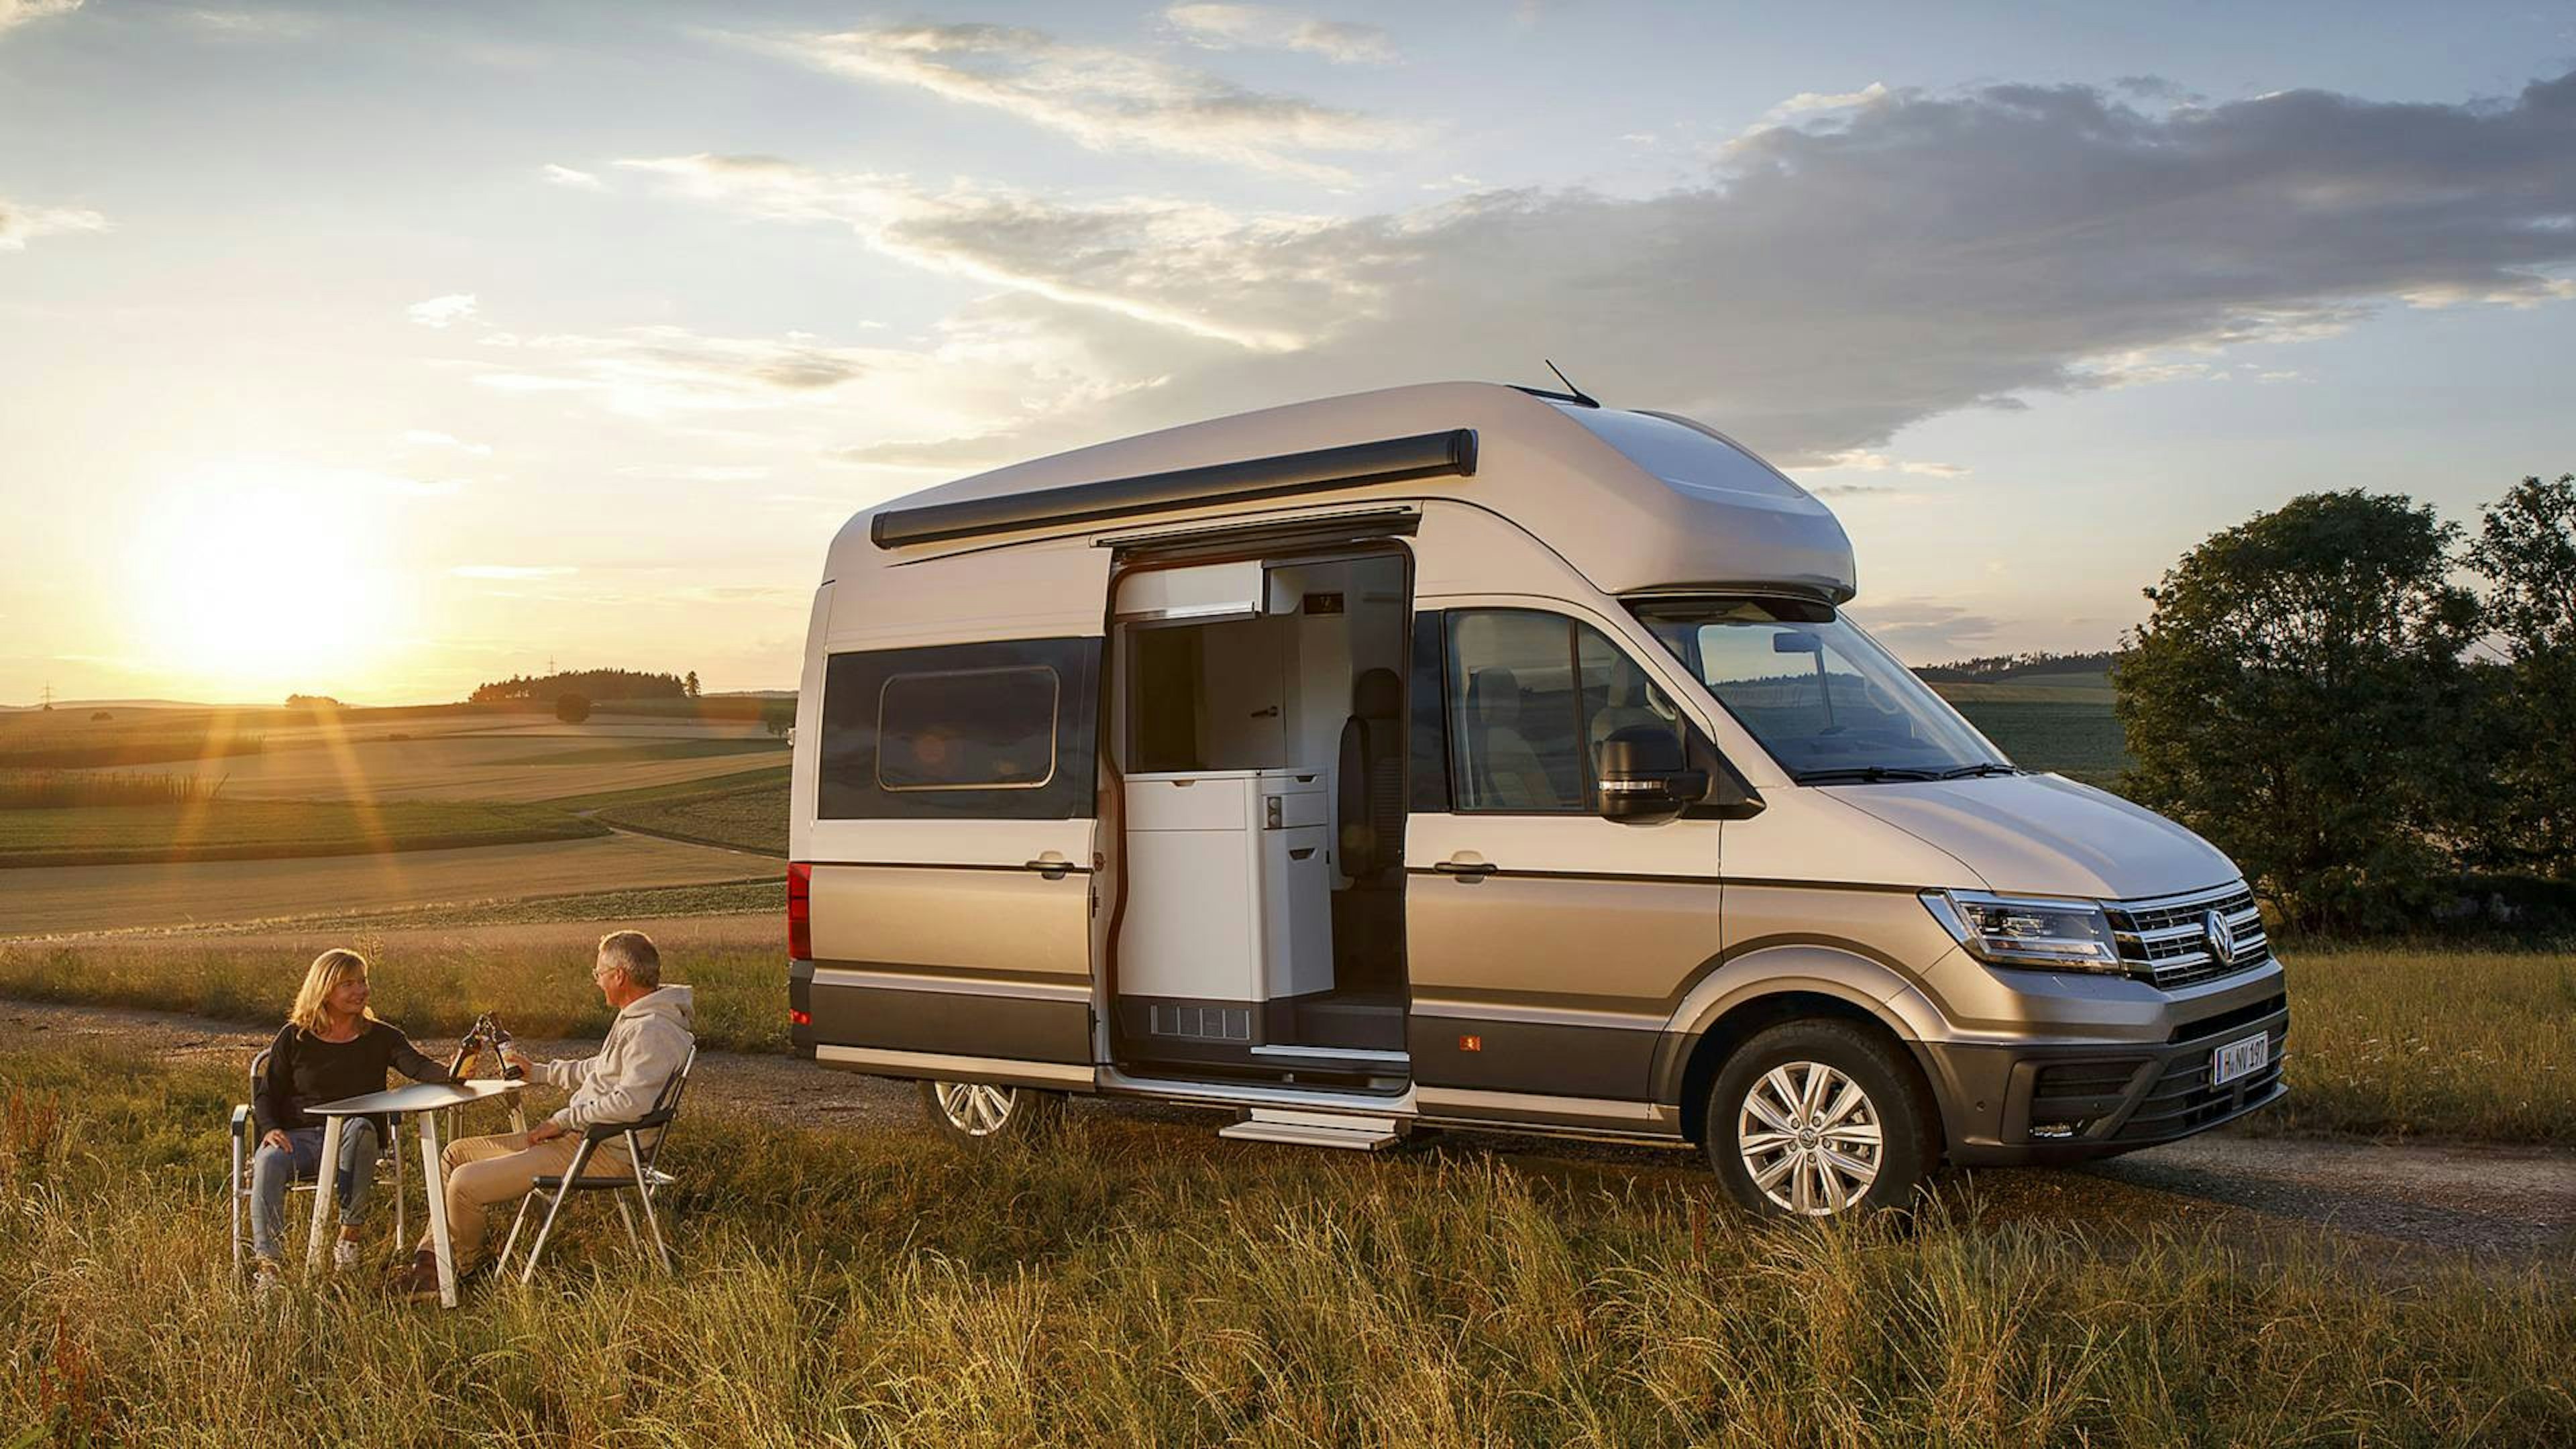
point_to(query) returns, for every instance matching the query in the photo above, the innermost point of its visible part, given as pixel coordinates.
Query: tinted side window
(1515, 713)
(1427, 731)
(995, 731)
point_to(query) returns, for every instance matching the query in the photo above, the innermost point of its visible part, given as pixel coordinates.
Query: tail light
(800, 912)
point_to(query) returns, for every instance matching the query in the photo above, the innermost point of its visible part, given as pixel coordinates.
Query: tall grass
(1113, 1288)
(64, 790)
(54, 751)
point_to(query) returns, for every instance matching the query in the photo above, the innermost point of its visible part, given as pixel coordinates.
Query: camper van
(1465, 755)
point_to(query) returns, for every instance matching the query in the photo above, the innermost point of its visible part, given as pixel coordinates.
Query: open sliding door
(952, 840)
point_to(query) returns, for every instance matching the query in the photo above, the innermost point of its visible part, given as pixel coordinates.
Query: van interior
(1258, 738)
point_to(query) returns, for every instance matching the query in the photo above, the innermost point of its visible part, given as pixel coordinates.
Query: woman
(331, 1047)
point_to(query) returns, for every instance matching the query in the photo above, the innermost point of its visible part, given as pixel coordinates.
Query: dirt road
(2436, 1200)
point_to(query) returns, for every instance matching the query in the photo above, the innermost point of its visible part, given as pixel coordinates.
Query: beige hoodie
(648, 1041)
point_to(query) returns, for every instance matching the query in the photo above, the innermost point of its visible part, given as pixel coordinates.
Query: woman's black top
(303, 1070)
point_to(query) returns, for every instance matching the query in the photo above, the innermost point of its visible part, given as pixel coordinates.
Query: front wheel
(1818, 1118)
(976, 1113)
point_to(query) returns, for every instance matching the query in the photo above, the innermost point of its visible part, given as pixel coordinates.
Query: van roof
(1634, 501)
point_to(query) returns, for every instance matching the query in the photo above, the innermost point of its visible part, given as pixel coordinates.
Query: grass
(1123, 1286)
(745, 818)
(2076, 736)
(229, 829)
(70, 789)
(432, 983)
(643, 750)
(2472, 1045)
(2446, 1043)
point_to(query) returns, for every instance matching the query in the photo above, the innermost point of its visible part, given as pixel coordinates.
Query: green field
(2069, 730)
(1130, 1284)
(227, 829)
(747, 818)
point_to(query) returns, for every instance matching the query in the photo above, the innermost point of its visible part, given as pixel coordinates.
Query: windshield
(1828, 703)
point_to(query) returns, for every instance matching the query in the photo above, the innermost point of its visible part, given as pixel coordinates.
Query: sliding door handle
(1466, 872)
(1051, 865)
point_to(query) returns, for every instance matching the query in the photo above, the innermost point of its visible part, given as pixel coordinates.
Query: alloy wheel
(1810, 1138)
(976, 1109)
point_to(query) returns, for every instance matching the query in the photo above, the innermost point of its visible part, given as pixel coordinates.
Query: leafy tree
(572, 708)
(778, 717)
(2526, 551)
(2297, 695)
(691, 684)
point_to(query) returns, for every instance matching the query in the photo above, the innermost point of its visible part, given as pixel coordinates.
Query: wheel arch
(1763, 988)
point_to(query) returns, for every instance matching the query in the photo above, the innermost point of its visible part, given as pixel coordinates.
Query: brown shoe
(421, 1279)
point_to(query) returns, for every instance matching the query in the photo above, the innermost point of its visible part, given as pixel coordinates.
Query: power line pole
(48, 697)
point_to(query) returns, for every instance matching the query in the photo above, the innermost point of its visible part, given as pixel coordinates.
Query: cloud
(510, 571)
(425, 438)
(21, 224)
(1831, 282)
(1103, 98)
(567, 176)
(1925, 631)
(14, 13)
(256, 24)
(1224, 27)
(444, 312)
(1862, 460)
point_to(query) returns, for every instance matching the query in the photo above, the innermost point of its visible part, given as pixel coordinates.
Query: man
(646, 1044)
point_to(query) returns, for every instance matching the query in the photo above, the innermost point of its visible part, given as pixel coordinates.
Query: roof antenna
(1578, 394)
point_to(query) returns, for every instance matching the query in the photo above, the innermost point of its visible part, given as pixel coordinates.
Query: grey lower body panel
(870, 1009)
(1523, 1052)
(2004, 1104)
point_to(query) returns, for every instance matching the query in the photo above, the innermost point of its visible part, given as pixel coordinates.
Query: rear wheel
(1818, 1118)
(977, 1113)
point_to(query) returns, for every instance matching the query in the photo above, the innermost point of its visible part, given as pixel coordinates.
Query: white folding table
(424, 1100)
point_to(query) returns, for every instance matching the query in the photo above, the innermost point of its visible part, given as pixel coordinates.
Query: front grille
(2166, 941)
(2181, 1100)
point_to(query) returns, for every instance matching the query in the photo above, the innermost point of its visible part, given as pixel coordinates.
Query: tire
(1820, 1160)
(975, 1115)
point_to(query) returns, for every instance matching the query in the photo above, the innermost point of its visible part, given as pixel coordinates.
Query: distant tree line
(595, 684)
(1995, 668)
(2382, 744)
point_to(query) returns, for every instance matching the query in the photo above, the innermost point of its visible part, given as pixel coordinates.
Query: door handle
(1466, 872)
(1052, 869)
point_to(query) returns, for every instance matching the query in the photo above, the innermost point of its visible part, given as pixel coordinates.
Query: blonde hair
(635, 954)
(329, 972)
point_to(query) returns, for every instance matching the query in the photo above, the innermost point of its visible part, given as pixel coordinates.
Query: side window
(994, 731)
(1531, 698)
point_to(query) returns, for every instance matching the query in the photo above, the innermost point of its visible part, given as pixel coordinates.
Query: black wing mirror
(1645, 779)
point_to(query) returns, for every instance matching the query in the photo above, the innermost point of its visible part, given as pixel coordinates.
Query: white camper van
(1464, 754)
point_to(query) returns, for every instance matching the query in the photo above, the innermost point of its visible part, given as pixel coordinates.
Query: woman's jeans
(272, 1171)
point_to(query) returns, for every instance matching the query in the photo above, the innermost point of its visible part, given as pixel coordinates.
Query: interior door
(1545, 944)
(953, 844)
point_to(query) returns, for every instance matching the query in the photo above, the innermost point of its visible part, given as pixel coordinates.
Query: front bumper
(2006, 1104)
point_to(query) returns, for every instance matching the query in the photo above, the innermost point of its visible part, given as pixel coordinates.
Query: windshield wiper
(1978, 771)
(1865, 774)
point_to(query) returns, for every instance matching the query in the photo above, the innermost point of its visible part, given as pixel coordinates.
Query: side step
(1316, 1129)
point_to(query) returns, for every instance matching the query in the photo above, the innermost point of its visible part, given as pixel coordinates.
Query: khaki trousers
(485, 1172)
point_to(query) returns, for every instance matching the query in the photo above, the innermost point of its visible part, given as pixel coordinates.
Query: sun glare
(254, 581)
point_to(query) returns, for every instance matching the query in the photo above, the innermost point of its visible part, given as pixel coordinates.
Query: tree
(691, 684)
(2297, 695)
(572, 708)
(2526, 551)
(778, 717)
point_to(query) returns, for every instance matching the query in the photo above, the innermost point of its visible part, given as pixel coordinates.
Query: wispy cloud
(14, 13)
(1224, 27)
(1103, 98)
(257, 24)
(567, 176)
(426, 438)
(443, 312)
(20, 224)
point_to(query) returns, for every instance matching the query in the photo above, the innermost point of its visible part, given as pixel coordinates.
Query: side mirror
(1645, 779)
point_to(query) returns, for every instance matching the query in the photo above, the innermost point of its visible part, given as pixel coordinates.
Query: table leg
(326, 1192)
(441, 1246)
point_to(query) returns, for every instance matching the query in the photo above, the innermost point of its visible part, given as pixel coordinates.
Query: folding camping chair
(646, 1181)
(246, 1147)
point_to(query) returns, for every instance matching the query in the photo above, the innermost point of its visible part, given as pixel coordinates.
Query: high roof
(1633, 501)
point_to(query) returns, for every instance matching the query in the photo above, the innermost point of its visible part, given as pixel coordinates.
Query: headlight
(2051, 935)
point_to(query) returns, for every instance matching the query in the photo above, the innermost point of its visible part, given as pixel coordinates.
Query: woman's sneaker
(263, 1283)
(344, 1255)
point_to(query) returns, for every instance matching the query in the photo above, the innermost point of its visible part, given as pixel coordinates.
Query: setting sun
(256, 581)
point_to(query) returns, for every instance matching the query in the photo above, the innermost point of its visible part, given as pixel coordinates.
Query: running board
(1316, 1129)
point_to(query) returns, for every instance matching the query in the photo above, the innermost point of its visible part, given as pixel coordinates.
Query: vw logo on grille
(2221, 939)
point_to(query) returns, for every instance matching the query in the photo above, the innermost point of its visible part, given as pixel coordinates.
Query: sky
(379, 350)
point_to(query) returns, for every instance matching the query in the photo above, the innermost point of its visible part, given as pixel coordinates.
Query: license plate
(2239, 1058)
